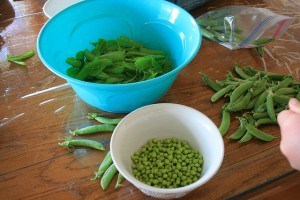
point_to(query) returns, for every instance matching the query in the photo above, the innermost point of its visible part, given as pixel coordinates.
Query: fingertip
(294, 105)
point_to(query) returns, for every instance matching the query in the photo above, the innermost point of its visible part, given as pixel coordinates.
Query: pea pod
(262, 41)
(263, 121)
(108, 176)
(281, 99)
(119, 180)
(261, 99)
(93, 129)
(260, 87)
(239, 132)
(285, 82)
(270, 106)
(241, 103)
(210, 83)
(240, 90)
(104, 120)
(252, 103)
(260, 115)
(225, 123)
(107, 161)
(71, 143)
(240, 72)
(247, 137)
(258, 133)
(285, 91)
(221, 93)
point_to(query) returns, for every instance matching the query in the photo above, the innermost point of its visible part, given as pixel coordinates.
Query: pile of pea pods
(258, 96)
(107, 170)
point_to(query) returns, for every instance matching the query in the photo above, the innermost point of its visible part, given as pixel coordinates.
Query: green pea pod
(21, 57)
(263, 121)
(247, 137)
(108, 176)
(260, 50)
(260, 87)
(240, 90)
(260, 115)
(225, 123)
(107, 161)
(209, 82)
(240, 131)
(242, 103)
(71, 143)
(285, 82)
(252, 103)
(281, 99)
(119, 180)
(240, 72)
(258, 133)
(93, 129)
(270, 106)
(74, 62)
(285, 91)
(221, 93)
(208, 34)
(261, 99)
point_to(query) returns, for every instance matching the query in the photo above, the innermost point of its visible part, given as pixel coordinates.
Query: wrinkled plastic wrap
(243, 27)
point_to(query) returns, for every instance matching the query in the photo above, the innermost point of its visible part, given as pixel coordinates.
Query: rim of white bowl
(187, 188)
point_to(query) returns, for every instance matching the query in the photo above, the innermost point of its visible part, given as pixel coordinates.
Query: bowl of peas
(119, 55)
(167, 150)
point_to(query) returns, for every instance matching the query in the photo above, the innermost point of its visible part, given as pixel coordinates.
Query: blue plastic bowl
(157, 24)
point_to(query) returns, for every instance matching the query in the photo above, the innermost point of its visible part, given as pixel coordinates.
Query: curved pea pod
(107, 161)
(260, 87)
(70, 143)
(221, 93)
(261, 99)
(241, 103)
(108, 176)
(270, 106)
(285, 91)
(119, 180)
(281, 99)
(263, 121)
(260, 115)
(209, 82)
(285, 82)
(225, 123)
(93, 129)
(258, 133)
(252, 102)
(240, 90)
(104, 120)
(239, 132)
(240, 72)
(247, 137)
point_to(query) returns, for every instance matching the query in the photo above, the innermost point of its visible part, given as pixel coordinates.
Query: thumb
(294, 105)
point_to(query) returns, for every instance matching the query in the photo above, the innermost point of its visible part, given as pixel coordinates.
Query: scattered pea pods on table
(260, 94)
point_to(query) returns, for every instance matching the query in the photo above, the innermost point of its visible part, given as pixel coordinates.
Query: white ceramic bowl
(166, 120)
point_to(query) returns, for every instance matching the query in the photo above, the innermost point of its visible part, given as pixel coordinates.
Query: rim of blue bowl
(150, 81)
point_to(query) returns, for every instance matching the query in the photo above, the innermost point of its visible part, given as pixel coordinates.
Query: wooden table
(38, 108)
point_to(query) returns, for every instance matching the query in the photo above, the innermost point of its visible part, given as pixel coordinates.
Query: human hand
(289, 122)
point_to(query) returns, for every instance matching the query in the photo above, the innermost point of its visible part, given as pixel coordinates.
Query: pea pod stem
(119, 180)
(93, 129)
(71, 143)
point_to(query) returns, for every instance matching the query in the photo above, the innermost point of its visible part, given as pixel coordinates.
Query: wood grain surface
(37, 108)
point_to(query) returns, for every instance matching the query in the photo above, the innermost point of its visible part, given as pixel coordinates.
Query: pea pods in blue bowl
(158, 25)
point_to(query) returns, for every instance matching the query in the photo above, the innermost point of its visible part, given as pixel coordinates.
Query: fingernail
(294, 101)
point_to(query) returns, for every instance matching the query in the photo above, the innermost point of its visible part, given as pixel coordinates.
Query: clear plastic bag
(243, 27)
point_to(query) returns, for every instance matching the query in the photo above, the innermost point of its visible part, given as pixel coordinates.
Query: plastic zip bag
(243, 27)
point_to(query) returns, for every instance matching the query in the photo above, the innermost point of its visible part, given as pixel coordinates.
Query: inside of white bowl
(157, 24)
(167, 121)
